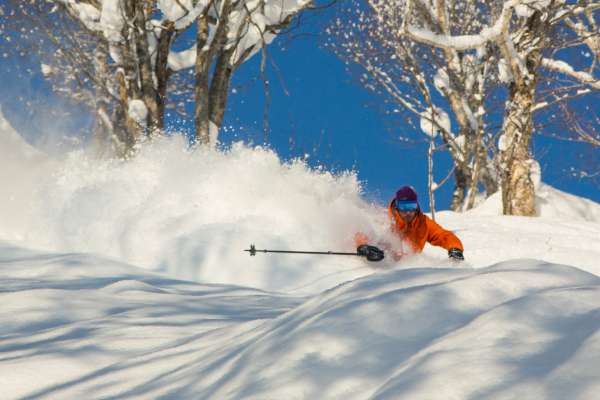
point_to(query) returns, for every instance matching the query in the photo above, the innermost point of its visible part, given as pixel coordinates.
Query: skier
(414, 228)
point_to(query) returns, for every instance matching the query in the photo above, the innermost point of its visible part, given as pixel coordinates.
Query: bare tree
(421, 78)
(523, 30)
(515, 35)
(566, 101)
(75, 58)
(535, 30)
(128, 67)
(241, 29)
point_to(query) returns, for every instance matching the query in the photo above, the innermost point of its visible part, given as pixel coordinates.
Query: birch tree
(422, 80)
(525, 35)
(523, 31)
(131, 59)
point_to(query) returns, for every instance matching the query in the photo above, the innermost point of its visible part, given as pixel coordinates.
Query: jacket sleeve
(438, 236)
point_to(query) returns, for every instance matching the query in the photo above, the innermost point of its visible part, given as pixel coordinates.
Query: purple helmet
(406, 199)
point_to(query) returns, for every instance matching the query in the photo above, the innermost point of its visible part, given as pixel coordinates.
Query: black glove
(371, 252)
(456, 254)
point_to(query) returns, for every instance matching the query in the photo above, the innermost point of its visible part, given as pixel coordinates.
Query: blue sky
(328, 108)
(325, 113)
(333, 119)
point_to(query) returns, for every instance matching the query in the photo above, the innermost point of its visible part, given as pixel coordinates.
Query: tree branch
(566, 69)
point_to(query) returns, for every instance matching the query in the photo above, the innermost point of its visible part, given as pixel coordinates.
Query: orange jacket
(421, 230)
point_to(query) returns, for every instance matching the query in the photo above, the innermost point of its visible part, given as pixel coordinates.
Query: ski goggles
(406, 206)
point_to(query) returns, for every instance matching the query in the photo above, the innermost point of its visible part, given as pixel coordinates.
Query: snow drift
(76, 326)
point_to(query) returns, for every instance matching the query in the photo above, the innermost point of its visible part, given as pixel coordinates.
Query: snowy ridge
(65, 310)
(551, 204)
(512, 329)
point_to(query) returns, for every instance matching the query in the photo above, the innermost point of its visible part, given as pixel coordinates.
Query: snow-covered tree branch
(566, 69)
(465, 49)
(420, 78)
(141, 57)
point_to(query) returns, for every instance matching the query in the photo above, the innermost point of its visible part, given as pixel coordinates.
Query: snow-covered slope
(140, 288)
(65, 316)
(76, 326)
(551, 204)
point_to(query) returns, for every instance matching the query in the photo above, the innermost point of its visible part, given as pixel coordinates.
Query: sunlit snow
(129, 280)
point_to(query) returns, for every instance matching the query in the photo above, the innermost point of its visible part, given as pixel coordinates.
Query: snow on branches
(465, 50)
(413, 74)
(158, 52)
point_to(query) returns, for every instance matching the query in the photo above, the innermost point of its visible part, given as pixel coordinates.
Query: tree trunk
(104, 128)
(219, 87)
(518, 192)
(430, 187)
(127, 79)
(130, 130)
(488, 176)
(146, 78)
(162, 70)
(210, 102)
(201, 86)
(476, 170)
(461, 181)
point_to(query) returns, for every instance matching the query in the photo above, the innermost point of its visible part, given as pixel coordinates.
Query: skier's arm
(438, 236)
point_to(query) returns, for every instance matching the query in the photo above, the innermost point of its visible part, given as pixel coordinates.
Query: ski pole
(373, 254)
(253, 252)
